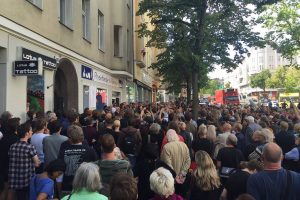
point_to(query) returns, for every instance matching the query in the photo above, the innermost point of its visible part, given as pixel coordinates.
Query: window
(86, 19)
(38, 3)
(100, 30)
(66, 15)
(118, 41)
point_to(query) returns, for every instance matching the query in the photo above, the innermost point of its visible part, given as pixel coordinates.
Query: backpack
(129, 143)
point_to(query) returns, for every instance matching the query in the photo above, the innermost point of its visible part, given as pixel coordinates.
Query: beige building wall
(144, 56)
(46, 22)
(24, 25)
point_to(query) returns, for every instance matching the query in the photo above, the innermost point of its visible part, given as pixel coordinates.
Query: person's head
(272, 154)
(5, 116)
(117, 123)
(174, 125)
(245, 197)
(249, 119)
(51, 116)
(253, 166)
(12, 124)
(108, 116)
(108, 143)
(24, 131)
(172, 135)
(72, 116)
(226, 127)
(55, 168)
(231, 140)
(182, 126)
(188, 116)
(202, 131)
(284, 126)
(154, 128)
(122, 187)
(206, 174)
(89, 121)
(162, 182)
(75, 134)
(40, 124)
(268, 134)
(211, 133)
(54, 126)
(237, 127)
(87, 176)
(132, 121)
(297, 128)
(109, 122)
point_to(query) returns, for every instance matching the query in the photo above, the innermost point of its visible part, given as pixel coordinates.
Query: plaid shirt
(21, 165)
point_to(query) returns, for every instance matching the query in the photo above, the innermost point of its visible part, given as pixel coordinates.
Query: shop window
(101, 30)
(35, 93)
(86, 19)
(37, 3)
(101, 98)
(66, 14)
(118, 41)
(86, 96)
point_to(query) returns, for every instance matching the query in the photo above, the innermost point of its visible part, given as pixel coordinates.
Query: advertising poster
(35, 93)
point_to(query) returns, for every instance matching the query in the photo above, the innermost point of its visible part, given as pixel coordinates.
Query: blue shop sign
(86, 72)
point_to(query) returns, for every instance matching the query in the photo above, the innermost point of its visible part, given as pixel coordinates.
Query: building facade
(257, 60)
(146, 81)
(84, 47)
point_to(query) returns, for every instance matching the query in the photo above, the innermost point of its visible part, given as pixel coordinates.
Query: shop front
(99, 89)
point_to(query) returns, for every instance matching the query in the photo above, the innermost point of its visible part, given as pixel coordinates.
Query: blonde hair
(206, 174)
(162, 182)
(202, 131)
(117, 123)
(211, 133)
(297, 127)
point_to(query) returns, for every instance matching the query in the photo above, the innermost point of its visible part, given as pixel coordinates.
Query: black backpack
(129, 143)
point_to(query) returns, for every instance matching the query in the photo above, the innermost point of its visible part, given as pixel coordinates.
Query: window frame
(34, 2)
(101, 31)
(66, 13)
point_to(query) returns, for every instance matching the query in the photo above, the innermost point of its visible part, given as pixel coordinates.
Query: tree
(260, 80)
(282, 21)
(287, 78)
(204, 29)
(211, 87)
(277, 79)
(292, 83)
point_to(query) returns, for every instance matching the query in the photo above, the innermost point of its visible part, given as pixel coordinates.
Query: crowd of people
(152, 151)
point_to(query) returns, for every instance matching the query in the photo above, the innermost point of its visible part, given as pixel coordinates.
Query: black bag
(129, 143)
(225, 172)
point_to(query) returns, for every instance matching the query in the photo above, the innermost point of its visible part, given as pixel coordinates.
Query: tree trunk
(195, 94)
(201, 12)
(188, 90)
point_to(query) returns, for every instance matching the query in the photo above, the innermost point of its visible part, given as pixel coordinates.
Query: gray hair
(87, 176)
(154, 128)
(172, 135)
(162, 182)
(75, 133)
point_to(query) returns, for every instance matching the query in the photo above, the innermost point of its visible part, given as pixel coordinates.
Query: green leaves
(283, 21)
(287, 78)
(260, 79)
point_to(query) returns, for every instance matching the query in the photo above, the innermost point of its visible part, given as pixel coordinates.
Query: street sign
(26, 68)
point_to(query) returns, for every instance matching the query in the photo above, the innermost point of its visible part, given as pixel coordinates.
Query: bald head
(272, 153)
